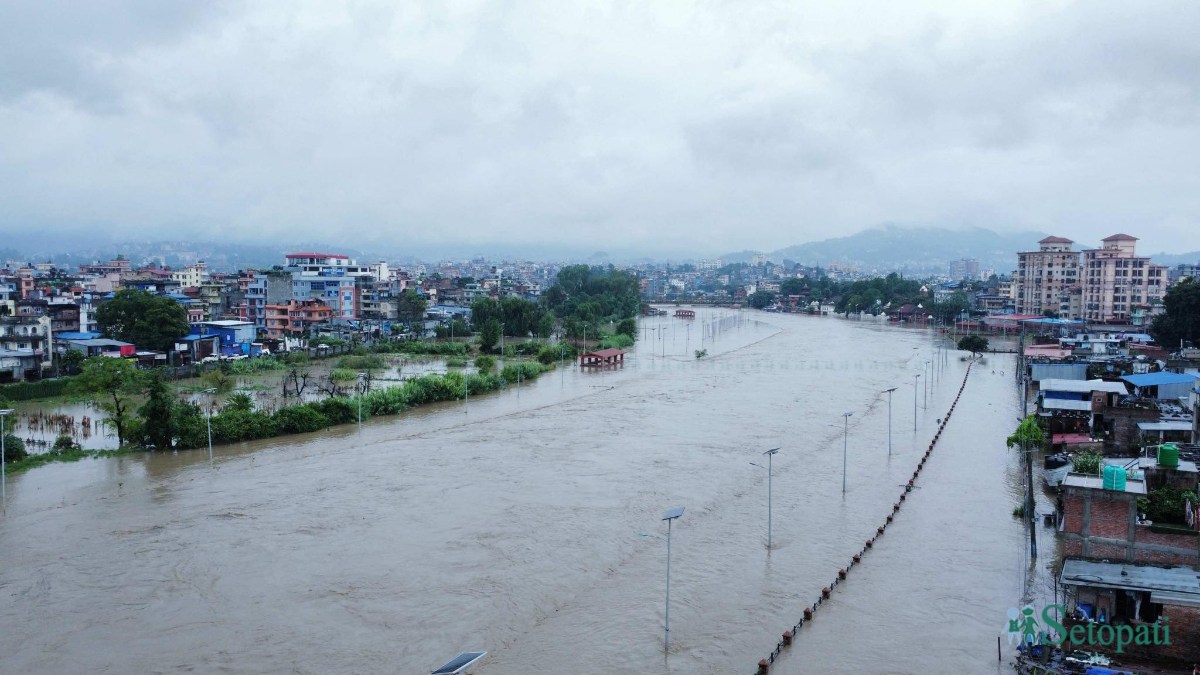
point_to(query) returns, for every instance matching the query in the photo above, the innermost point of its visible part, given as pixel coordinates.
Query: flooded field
(527, 523)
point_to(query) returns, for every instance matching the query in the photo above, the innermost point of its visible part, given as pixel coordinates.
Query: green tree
(545, 325)
(1028, 435)
(72, 361)
(489, 335)
(1181, 321)
(410, 306)
(792, 286)
(147, 320)
(14, 448)
(118, 381)
(976, 344)
(627, 327)
(760, 299)
(157, 413)
(949, 309)
(485, 364)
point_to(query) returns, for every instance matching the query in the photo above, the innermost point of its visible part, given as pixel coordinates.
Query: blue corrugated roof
(1155, 379)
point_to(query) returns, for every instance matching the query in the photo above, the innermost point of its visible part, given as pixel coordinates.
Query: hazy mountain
(909, 249)
(1173, 259)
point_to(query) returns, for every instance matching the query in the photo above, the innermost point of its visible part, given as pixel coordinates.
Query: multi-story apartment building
(1118, 286)
(964, 268)
(191, 276)
(29, 341)
(295, 318)
(1046, 278)
(1184, 270)
(334, 279)
(271, 288)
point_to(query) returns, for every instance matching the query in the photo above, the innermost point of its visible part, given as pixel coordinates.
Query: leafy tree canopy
(1181, 322)
(760, 299)
(116, 381)
(594, 294)
(976, 344)
(147, 320)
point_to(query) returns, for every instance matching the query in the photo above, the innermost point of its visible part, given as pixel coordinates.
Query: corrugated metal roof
(1082, 386)
(1180, 580)
(1154, 379)
(1165, 426)
(1066, 404)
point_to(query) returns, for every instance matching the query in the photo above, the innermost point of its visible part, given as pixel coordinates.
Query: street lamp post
(210, 392)
(925, 402)
(360, 398)
(770, 455)
(3, 452)
(845, 441)
(915, 378)
(669, 516)
(889, 393)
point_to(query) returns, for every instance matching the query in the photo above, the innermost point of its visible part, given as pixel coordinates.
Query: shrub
(485, 363)
(239, 401)
(553, 353)
(523, 370)
(342, 375)
(1087, 463)
(1166, 504)
(419, 347)
(618, 341)
(64, 442)
(238, 425)
(339, 410)
(296, 359)
(299, 419)
(14, 448)
(362, 362)
(455, 362)
(28, 391)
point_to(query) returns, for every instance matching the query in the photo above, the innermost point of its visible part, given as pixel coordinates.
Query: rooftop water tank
(1114, 478)
(1168, 455)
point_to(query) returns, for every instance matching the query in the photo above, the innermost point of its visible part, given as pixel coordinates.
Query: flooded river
(527, 523)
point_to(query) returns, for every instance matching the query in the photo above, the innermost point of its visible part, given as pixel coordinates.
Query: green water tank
(1114, 478)
(1168, 455)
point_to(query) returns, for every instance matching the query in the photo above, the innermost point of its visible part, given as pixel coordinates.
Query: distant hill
(1173, 259)
(925, 250)
(916, 250)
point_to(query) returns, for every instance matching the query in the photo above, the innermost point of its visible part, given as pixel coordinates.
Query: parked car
(209, 359)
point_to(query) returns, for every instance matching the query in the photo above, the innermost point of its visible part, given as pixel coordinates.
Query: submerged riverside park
(527, 523)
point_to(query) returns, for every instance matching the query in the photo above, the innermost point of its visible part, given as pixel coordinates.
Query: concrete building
(1118, 286)
(191, 276)
(1179, 272)
(296, 317)
(964, 268)
(30, 337)
(1045, 278)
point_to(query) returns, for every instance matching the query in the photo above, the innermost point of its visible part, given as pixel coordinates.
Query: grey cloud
(717, 126)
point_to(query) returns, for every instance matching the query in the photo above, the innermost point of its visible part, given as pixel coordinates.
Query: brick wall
(1098, 524)
(1184, 648)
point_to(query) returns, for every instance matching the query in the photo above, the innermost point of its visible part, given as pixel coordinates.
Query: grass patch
(71, 455)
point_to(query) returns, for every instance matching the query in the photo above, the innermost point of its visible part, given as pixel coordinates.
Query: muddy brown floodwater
(527, 523)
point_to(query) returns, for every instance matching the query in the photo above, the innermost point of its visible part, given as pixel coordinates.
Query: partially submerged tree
(117, 381)
(1028, 435)
(976, 344)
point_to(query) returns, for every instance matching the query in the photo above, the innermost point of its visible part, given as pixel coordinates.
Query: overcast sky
(658, 126)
